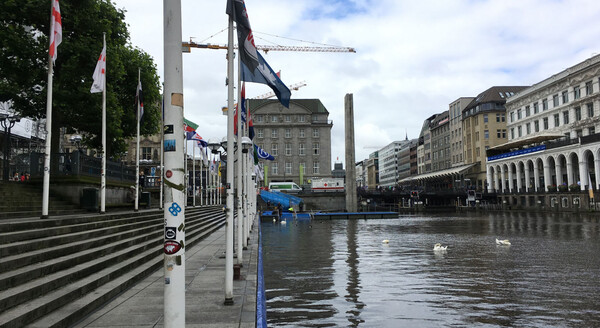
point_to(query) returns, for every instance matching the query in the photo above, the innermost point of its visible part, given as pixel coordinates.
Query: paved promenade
(142, 305)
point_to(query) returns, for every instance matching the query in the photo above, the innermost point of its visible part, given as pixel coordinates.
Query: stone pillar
(351, 198)
(570, 178)
(536, 176)
(519, 182)
(503, 177)
(597, 170)
(489, 180)
(583, 175)
(547, 177)
(496, 181)
(559, 175)
(511, 184)
(527, 177)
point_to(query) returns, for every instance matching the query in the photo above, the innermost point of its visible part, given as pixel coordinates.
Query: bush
(574, 187)
(563, 188)
(551, 188)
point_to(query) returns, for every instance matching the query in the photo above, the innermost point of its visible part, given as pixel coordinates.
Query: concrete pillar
(583, 174)
(527, 177)
(351, 198)
(503, 177)
(559, 173)
(511, 184)
(597, 171)
(536, 176)
(547, 177)
(496, 181)
(570, 177)
(519, 182)
(489, 180)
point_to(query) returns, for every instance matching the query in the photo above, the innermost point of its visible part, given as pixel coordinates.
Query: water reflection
(338, 273)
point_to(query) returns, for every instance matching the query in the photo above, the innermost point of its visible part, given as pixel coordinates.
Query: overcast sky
(412, 58)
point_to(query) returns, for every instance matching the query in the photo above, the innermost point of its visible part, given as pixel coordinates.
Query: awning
(527, 141)
(439, 174)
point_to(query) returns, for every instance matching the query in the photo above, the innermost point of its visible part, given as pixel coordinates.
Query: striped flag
(139, 98)
(99, 73)
(56, 33)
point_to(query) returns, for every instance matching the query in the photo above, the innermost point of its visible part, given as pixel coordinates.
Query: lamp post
(8, 122)
(242, 197)
(214, 146)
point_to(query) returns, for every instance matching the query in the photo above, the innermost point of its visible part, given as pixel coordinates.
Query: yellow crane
(186, 47)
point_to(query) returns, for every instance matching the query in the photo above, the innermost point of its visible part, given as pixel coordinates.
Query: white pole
(230, 165)
(193, 174)
(137, 151)
(162, 153)
(46, 184)
(103, 173)
(239, 174)
(174, 206)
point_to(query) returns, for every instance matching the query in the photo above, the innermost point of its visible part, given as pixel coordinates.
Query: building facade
(440, 142)
(455, 110)
(553, 141)
(298, 137)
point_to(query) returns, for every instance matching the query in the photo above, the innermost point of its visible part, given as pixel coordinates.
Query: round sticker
(172, 247)
(169, 173)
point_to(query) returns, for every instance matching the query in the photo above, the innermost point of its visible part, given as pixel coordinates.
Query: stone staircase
(54, 272)
(23, 199)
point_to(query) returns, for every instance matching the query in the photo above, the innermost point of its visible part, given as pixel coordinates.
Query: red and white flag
(99, 73)
(56, 33)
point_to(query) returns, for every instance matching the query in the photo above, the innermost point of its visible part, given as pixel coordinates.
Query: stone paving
(142, 305)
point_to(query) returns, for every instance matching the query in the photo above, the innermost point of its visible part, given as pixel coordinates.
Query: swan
(385, 241)
(504, 242)
(439, 247)
(282, 221)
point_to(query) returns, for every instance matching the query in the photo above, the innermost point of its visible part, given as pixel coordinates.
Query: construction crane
(268, 95)
(186, 47)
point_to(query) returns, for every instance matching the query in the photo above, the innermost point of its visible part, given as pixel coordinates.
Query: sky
(413, 58)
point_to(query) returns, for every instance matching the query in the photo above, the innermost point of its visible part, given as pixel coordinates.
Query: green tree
(25, 25)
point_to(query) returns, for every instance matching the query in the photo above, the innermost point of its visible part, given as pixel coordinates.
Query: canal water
(340, 273)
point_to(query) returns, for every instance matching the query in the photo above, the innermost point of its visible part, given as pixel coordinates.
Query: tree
(24, 62)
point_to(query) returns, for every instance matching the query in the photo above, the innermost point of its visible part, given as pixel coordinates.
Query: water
(340, 274)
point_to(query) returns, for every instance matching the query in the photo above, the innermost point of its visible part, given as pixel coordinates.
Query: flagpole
(239, 167)
(174, 204)
(103, 174)
(230, 165)
(46, 183)
(193, 174)
(137, 147)
(162, 153)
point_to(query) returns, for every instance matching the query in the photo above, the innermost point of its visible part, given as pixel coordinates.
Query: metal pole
(193, 174)
(174, 209)
(46, 183)
(103, 173)
(137, 152)
(162, 153)
(239, 174)
(230, 165)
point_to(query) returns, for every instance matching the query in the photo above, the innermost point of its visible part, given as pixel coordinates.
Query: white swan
(385, 241)
(283, 222)
(439, 247)
(504, 242)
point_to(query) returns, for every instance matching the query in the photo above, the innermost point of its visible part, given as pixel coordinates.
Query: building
(440, 142)
(405, 158)
(298, 138)
(361, 173)
(373, 171)
(338, 171)
(424, 148)
(456, 142)
(484, 126)
(553, 141)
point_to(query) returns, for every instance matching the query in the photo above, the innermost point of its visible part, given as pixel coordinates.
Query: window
(288, 168)
(499, 133)
(555, 101)
(315, 167)
(316, 148)
(275, 168)
(512, 117)
(486, 134)
(477, 136)
(577, 113)
(576, 92)
(535, 108)
(315, 133)
(273, 133)
(301, 149)
(477, 151)
(512, 133)
(497, 118)
(273, 118)
(504, 133)
(301, 133)
(485, 118)
(288, 118)
(503, 117)
(536, 126)
(274, 149)
(527, 128)
(519, 131)
(519, 114)
(565, 97)
(590, 109)
(260, 133)
(592, 130)
(566, 117)
(259, 118)
(546, 127)
(302, 118)
(527, 111)
(544, 104)
(588, 88)
(288, 149)
(556, 120)
(146, 153)
(288, 133)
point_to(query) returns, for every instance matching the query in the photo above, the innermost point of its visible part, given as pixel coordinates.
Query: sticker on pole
(170, 233)
(172, 247)
(169, 173)
(170, 145)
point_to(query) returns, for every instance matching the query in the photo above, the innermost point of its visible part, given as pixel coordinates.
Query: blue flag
(260, 153)
(265, 75)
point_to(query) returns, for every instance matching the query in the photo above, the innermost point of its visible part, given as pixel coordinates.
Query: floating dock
(354, 215)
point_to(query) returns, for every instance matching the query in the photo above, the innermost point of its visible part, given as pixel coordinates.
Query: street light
(76, 141)
(246, 144)
(7, 121)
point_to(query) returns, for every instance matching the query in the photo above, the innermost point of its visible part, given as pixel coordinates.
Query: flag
(243, 102)
(236, 9)
(139, 98)
(250, 127)
(56, 33)
(264, 74)
(99, 73)
(196, 137)
(219, 171)
(189, 126)
(260, 153)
